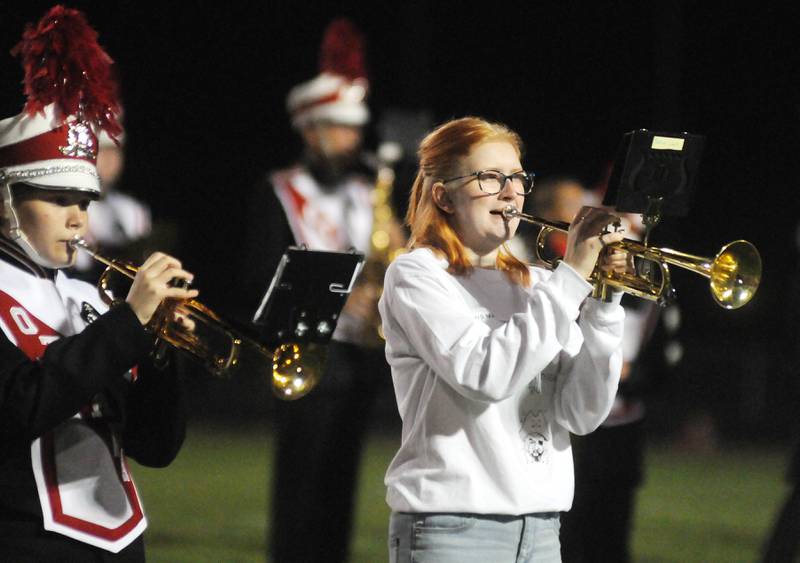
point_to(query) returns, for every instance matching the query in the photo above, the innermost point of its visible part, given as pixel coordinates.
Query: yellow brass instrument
(734, 273)
(212, 341)
(297, 368)
(387, 240)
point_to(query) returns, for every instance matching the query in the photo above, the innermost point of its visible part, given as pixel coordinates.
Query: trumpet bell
(296, 369)
(735, 274)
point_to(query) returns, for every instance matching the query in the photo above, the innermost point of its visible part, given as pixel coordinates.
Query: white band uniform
(85, 489)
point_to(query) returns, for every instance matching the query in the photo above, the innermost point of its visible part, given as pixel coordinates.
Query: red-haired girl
(494, 362)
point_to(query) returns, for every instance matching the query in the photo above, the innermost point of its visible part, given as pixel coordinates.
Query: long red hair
(440, 154)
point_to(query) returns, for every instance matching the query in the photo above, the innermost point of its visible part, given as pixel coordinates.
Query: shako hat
(338, 93)
(71, 96)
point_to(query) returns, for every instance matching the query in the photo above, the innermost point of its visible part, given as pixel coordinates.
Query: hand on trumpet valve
(615, 260)
(588, 237)
(182, 318)
(154, 282)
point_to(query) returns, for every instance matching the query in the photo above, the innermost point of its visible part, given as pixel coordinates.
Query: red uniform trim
(329, 99)
(46, 146)
(298, 201)
(294, 205)
(51, 478)
(29, 341)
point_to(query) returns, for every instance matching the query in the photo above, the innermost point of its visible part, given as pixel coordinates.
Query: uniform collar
(14, 255)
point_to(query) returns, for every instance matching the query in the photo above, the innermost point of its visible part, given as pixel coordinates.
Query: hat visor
(61, 174)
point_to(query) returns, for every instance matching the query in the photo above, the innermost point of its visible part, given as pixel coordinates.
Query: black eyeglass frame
(530, 176)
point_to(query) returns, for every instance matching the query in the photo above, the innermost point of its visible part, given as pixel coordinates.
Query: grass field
(210, 505)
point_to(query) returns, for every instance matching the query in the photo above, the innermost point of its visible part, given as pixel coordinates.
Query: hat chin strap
(17, 235)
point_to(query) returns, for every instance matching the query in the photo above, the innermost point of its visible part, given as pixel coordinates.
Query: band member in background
(324, 202)
(78, 392)
(494, 363)
(120, 222)
(782, 541)
(609, 462)
(563, 196)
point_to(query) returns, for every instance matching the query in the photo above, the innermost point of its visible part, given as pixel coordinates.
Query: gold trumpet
(212, 341)
(734, 273)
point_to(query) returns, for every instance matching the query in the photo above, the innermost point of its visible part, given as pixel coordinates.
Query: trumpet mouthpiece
(508, 212)
(77, 242)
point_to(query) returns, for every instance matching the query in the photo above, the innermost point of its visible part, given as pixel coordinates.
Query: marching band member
(78, 393)
(494, 363)
(610, 462)
(325, 203)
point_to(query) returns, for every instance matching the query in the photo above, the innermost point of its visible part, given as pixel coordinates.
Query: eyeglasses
(492, 182)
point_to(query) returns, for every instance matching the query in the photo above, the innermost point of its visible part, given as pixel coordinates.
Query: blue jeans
(474, 538)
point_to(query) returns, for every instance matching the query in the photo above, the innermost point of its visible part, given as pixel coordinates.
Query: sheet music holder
(306, 295)
(654, 173)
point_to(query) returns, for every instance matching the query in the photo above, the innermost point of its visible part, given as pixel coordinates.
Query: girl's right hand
(151, 285)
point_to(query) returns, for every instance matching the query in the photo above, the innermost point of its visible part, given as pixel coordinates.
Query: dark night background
(204, 86)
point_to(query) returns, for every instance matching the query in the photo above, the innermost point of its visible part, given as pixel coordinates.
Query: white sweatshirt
(490, 378)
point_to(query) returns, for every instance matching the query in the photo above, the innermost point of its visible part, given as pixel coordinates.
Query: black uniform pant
(608, 471)
(28, 542)
(320, 439)
(783, 543)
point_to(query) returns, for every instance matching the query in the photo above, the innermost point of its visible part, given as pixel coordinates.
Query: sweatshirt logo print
(535, 437)
(483, 315)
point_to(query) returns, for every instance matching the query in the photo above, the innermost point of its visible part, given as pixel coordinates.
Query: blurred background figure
(119, 224)
(325, 201)
(783, 542)
(561, 197)
(609, 461)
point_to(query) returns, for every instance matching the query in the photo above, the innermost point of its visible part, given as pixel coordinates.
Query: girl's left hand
(616, 260)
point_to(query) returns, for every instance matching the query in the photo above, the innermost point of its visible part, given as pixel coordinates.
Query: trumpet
(212, 341)
(734, 273)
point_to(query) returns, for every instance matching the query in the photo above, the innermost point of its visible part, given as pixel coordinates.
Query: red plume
(342, 50)
(64, 65)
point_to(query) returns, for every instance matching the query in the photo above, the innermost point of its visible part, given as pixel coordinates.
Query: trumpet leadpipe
(512, 212)
(78, 242)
